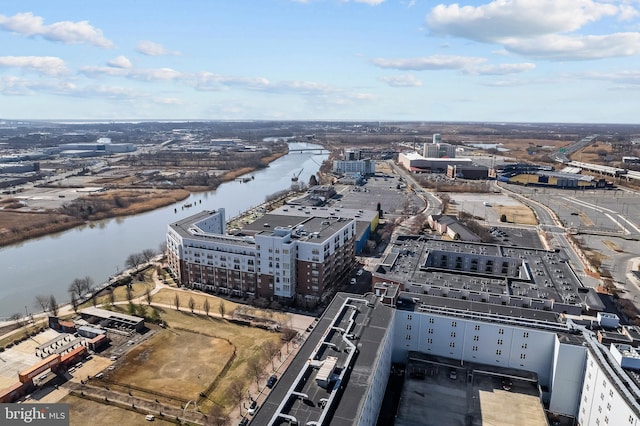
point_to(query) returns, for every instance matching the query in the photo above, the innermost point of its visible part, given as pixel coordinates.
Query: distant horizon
(381, 122)
(480, 61)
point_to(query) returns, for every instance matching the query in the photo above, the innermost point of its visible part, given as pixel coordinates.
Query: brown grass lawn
(175, 362)
(167, 296)
(520, 215)
(183, 363)
(84, 412)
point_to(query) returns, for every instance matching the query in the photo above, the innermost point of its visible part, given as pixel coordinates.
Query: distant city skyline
(391, 60)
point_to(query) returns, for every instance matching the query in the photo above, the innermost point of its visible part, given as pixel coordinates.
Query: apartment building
(281, 257)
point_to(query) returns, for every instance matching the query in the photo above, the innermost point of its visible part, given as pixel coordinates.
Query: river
(47, 265)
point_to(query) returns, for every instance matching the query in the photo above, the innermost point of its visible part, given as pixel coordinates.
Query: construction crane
(295, 176)
(295, 185)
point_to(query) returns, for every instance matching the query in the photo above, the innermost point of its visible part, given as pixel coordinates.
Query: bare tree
(94, 299)
(222, 308)
(74, 302)
(17, 317)
(270, 350)
(53, 306)
(148, 254)
(255, 369)
(217, 417)
(112, 297)
(42, 302)
(162, 248)
(206, 306)
(148, 296)
(192, 304)
(176, 302)
(134, 260)
(236, 392)
(129, 292)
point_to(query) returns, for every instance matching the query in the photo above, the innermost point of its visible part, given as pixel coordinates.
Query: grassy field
(86, 412)
(139, 289)
(520, 215)
(175, 362)
(167, 296)
(184, 363)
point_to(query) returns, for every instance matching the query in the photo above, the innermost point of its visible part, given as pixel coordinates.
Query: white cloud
(150, 48)
(120, 62)
(504, 19)
(407, 80)
(19, 86)
(501, 69)
(46, 65)
(559, 47)
(152, 74)
(369, 2)
(435, 62)
(64, 31)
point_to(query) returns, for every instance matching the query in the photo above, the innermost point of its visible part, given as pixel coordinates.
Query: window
(430, 331)
(475, 349)
(476, 338)
(609, 406)
(408, 326)
(408, 337)
(498, 352)
(409, 317)
(523, 356)
(454, 324)
(611, 393)
(431, 320)
(525, 334)
(477, 327)
(501, 331)
(499, 341)
(453, 334)
(452, 344)
(524, 346)
(429, 341)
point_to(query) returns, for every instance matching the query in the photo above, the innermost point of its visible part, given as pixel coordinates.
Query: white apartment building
(288, 257)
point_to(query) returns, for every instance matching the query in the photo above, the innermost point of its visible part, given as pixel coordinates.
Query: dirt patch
(160, 363)
(86, 412)
(520, 215)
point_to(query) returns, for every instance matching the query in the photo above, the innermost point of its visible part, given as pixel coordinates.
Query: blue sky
(501, 60)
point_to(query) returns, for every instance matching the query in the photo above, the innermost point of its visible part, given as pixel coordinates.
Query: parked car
(252, 408)
(360, 272)
(353, 281)
(453, 374)
(271, 382)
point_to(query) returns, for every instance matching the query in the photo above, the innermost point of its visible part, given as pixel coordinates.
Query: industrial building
(416, 163)
(340, 374)
(438, 150)
(296, 252)
(468, 171)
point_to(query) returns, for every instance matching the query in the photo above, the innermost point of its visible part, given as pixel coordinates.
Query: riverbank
(18, 225)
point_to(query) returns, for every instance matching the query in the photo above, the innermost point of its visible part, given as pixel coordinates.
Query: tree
(255, 369)
(313, 181)
(162, 248)
(42, 302)
(129, 292)
(236, 392)
(217, 417)
(270, 350)
(222, 308)
(134, 260)
(94, 299)
(148, 254)
(192, 304)
(206, 306)
(53, 306)
(74, 302)
(17, 317)
(112, 297)
(176, 302)
(503, 217)
(148, 296)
